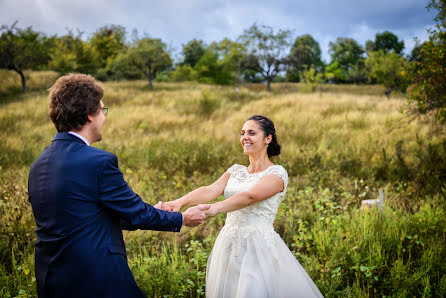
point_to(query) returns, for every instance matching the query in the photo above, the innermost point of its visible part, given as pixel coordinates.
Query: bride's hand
(159, 205)
(173, 206)
(212, 211)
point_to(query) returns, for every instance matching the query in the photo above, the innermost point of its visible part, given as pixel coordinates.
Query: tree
(231, 54)
(346, 53)
(150, 57)
(22, 49)
(311, 78)
(72, 54)
(121, 68)
(304, 53)
(335, 72)
(108, 41)
(415, 54)
(266, 51)
(427, 93)
(385, 41)
(193, 51)
(220, 63)
(387, 69)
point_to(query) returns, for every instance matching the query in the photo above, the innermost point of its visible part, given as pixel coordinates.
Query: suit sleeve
(116, 195)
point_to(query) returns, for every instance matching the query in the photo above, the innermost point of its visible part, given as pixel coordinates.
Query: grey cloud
(177, 22)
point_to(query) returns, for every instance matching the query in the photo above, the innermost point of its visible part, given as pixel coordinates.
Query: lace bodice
(249, 259)
(262, 213)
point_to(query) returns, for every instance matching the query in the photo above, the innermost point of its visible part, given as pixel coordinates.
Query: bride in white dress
(249, 259)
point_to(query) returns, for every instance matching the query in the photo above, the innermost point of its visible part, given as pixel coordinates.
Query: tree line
(259, 54)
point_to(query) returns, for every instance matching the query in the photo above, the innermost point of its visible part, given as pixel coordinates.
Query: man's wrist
(184, 218)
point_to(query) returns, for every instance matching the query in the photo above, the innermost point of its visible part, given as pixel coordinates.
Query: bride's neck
(258, 163)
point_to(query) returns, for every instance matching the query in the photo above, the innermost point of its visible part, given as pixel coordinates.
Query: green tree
(149, 57)
(388, 42)
(232, 55)
(72, 54)
(385, 41)
(22, 49)
(121, 68)
(183, 72)
(220, 63)
(427, 93)
(335, 72)
(108, 41)
(304, 53)
(266, 51)
(415, 54)
(346, 59)
(311, 78)
(193, 51)
(387, 69)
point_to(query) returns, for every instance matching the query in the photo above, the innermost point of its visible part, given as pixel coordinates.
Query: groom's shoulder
(100, 155)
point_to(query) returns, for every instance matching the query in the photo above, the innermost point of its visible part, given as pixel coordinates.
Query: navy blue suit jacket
(81, 203)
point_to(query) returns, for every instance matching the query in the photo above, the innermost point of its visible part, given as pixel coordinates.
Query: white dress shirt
(79, 136)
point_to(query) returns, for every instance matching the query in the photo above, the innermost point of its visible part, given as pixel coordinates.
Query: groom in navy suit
(81, 202)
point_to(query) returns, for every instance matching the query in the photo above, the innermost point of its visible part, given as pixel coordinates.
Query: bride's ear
(268, 139)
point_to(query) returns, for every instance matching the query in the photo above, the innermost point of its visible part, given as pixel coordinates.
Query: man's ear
(90, 118)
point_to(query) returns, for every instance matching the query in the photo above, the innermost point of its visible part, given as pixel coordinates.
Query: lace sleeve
(281, 172)
(232, 169)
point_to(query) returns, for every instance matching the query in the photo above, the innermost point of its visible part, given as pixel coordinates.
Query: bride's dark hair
(268, 129)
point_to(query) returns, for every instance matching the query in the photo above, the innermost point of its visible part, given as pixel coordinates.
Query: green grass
(339, 147)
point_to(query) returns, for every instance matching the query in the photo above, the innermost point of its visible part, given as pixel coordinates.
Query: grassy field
(340, 145)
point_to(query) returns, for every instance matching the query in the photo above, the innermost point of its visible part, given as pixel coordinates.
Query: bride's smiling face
(252, 138)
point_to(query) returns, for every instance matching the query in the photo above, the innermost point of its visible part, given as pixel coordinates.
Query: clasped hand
(193, 216)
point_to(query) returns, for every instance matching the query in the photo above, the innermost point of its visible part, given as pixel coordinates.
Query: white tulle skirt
(253, 261)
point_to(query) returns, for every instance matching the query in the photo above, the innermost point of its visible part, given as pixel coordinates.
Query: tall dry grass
(338, 147)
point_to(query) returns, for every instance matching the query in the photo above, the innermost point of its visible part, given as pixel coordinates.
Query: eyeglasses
(105, 111)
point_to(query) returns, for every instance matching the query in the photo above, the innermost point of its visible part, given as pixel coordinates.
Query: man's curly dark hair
(72, 98)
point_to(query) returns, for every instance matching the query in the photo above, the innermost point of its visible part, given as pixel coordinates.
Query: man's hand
(195, 216)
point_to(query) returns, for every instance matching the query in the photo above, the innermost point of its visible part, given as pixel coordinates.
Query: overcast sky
(178, 21)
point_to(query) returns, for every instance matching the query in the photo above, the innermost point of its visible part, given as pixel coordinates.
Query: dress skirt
(253, 261)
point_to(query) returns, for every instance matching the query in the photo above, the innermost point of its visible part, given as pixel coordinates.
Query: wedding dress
(249, 259)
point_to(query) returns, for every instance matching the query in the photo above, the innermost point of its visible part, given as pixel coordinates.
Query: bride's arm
(267, 187)
(200, 195)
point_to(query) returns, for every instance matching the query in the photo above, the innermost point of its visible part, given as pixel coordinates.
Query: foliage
(121, 67)
(387, 69)
(416, 51)
(183, 73)
(339, 148)
(22, 49)
(149, 57)
(385, 41)
(304, 53)
(219, 64)
(266, 51)
(346, 55)
(427, 93)
(71, 54)
(108, 41)
(334, 72)
(311, 79)
(193, 51)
